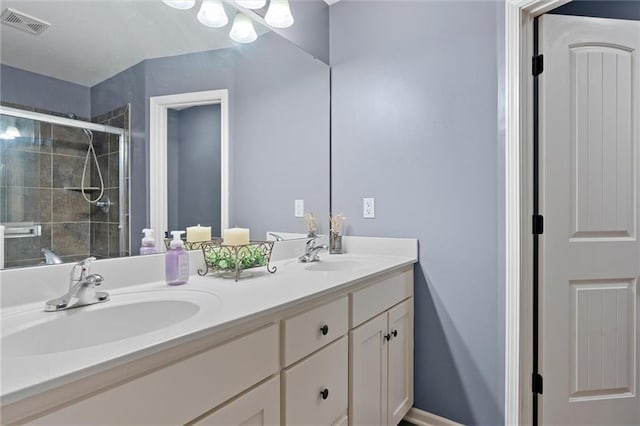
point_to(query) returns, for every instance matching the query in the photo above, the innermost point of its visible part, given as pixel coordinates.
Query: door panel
(368, 373)
(602, 164)
(602, 363)
(400, 393)
(259, 407)
(590, 254)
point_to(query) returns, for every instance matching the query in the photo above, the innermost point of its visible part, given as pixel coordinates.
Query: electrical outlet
(368, 208)
(299, 208)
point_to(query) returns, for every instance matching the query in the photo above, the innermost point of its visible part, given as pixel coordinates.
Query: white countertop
(223, 304)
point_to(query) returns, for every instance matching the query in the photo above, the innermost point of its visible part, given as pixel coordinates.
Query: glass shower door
(45, 204)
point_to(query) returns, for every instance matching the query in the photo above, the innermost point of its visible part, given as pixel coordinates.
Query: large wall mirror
(79, 152)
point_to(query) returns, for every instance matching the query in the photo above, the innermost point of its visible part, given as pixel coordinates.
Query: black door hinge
(537, 224)
(536, 383)
(537, 65)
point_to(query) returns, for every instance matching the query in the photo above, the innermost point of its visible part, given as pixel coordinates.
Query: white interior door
(590, 255)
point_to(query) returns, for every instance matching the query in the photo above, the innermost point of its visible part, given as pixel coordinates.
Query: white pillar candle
(198, 233)
(235, 236)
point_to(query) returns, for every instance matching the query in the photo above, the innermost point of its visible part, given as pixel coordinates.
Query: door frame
(158, 197)
(519, 16)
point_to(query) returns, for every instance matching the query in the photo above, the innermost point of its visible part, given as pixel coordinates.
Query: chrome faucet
(82, 289)
(276, 236)
(311, 251)
(50, 258)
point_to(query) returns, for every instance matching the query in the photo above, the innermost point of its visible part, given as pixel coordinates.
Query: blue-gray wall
(38, 91)
(193, 159)
(281, 127)
(416, 123)
(626, 9)
(310, 30)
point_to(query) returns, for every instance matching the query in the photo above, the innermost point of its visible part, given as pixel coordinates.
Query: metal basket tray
(235, 259)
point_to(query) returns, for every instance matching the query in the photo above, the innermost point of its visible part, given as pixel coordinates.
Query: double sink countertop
(45, 350)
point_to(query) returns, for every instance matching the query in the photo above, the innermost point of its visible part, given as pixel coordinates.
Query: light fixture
(180, 4)
(212, 14)
(252, 4)
(242, 29)
(10, 133)
(279, 14)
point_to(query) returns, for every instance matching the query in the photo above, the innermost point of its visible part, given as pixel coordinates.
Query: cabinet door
(368, 373)
(400, 371)
(258, 407)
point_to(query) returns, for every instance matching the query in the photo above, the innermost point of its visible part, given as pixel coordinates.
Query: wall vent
(23, 21)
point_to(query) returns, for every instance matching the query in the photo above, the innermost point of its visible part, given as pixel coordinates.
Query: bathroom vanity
(325, 343)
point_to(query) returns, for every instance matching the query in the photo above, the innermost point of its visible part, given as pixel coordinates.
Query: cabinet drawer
(305, 382)
(181, 391)
(313, 329)
(374, 299)
(260, 406)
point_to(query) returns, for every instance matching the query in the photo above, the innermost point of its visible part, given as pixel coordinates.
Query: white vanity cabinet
(381, 353)
(258, 407)
(182, 391)
(341, 358)
(316, 389)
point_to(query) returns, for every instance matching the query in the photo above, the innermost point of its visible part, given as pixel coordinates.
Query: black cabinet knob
(324, 330)
(324, 393)
(395, 333)
(387, 337)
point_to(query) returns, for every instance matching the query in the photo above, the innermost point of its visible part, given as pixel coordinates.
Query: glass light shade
(180, 4)
(212, 14)
(252, 4)
(242, 29)
(10, 133)
(279, 14)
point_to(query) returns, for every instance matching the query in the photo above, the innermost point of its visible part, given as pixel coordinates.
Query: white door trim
(158, 105)
(519, 15)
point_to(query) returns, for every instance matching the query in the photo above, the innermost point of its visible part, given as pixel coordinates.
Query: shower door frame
(123, 156)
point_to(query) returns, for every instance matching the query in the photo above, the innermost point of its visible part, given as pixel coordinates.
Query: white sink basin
(334, 265)
(125, 316)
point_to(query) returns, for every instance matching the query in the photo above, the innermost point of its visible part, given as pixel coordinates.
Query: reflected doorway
(194, 172)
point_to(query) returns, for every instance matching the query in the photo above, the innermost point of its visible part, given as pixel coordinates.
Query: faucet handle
(83, 266)
(94, 279)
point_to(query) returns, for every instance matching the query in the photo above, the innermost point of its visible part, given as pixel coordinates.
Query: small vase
(335, 243)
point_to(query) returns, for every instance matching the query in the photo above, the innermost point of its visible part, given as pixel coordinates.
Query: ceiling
(91, 40)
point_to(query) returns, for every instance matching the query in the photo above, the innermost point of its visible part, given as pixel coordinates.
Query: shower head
(87, 132)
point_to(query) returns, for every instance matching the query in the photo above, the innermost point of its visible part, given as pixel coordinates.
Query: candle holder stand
(232, 260)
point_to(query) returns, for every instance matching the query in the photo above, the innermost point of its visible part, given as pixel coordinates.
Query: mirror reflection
(193, 152)
(103, 61)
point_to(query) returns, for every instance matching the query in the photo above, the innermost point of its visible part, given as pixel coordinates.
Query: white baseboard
(422, 418)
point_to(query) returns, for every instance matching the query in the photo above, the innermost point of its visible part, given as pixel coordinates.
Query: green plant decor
(225, 257)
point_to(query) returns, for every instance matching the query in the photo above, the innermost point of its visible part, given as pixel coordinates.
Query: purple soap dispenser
(177, 261)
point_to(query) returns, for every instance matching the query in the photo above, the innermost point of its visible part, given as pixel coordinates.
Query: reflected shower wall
(41, 196)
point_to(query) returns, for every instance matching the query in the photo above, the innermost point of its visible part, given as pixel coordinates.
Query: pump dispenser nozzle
(148, 244)
(177, 241)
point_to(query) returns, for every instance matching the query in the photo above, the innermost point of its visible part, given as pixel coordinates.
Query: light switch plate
(299, 208)
(368, 208)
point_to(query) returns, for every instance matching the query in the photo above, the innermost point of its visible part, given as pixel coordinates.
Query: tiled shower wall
(104, 227)
(37, 168)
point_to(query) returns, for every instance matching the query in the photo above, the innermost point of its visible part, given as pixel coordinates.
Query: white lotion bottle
(148, 243)
(177, 261)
